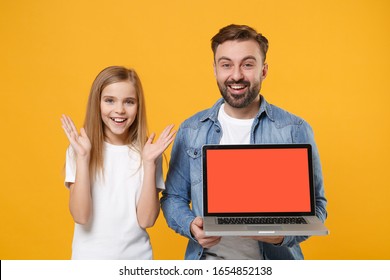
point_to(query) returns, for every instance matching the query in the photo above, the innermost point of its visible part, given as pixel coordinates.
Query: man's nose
(237, 74)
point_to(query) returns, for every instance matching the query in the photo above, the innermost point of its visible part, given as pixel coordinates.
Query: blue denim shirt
(182, 198)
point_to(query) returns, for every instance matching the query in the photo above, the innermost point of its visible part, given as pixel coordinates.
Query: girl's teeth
(118, 120)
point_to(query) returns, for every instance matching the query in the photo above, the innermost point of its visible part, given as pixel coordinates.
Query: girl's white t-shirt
(113, 231)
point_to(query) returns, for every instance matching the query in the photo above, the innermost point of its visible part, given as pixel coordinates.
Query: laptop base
(212, 229)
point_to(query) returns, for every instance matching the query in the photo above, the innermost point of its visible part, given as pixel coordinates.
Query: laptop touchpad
(264, 228)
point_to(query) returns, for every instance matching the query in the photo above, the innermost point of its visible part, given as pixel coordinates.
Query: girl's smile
(118, 120)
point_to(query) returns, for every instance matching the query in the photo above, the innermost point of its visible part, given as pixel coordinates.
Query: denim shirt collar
(212, 114)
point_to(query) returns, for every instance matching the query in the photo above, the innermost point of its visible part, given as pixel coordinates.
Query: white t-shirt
(234, 131)
(113, 231)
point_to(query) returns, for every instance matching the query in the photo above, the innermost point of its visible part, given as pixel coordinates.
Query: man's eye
(226, 65)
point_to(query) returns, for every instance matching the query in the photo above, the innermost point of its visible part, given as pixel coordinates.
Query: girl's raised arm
(148, 206)
(80, 200)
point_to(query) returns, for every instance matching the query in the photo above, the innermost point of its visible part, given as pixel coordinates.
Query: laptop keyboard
(262, 220)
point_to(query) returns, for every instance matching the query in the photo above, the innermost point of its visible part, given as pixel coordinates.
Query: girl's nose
(120, 108)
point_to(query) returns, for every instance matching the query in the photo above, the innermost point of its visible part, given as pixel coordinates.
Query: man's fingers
(210, 241)
(198, 221)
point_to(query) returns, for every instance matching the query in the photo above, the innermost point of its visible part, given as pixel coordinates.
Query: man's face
(239, 71)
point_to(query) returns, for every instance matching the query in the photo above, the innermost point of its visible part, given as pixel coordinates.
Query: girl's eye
(130, 101)
(109, 100)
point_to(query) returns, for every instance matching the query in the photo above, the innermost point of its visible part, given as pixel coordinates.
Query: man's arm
(176, 197)
(304, 134)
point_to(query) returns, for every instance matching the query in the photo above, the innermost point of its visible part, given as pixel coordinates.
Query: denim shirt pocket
(195, 155)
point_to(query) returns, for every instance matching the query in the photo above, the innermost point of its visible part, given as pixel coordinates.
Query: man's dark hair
(241, 33)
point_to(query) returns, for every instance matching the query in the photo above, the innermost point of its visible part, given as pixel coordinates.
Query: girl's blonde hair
(93, 123)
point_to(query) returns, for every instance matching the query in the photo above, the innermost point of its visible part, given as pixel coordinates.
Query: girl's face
(118, 106)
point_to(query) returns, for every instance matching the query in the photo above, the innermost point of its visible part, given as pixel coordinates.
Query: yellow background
(328, 63)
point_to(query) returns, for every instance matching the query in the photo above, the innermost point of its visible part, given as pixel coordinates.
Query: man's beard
(242, 100)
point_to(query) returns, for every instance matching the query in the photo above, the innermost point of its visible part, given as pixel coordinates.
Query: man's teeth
(118, 120)
(237, 86)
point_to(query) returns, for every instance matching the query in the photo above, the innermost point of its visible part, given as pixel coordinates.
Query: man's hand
(198, 233)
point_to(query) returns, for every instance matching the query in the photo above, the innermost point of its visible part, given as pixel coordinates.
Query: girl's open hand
(152, 150)
(79, 142)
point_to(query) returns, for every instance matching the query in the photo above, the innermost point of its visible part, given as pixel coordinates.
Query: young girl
(114, 171)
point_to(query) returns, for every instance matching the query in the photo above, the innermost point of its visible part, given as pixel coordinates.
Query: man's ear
(264, 71)
(215, 70)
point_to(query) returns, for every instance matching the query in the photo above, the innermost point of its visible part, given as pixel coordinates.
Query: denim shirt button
(218, 130)
(195, 153)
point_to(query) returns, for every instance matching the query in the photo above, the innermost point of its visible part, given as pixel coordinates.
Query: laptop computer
(259, 189)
